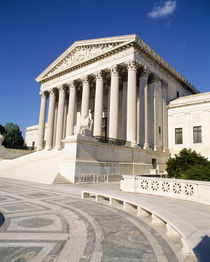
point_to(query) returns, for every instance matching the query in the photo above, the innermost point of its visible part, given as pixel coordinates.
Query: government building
(113, 106)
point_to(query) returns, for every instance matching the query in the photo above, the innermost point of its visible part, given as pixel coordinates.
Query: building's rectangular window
(159, 129)
(178, 135)
(197, 136)
(177, 94)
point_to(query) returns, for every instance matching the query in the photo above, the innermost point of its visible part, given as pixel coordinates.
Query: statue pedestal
(1, 141)
(79, 158)
(89, 161)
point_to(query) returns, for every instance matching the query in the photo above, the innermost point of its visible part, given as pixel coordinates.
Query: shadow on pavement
(2, 219)
(202, 250)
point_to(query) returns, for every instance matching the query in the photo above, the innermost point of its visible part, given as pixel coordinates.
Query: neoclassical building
(104, 107)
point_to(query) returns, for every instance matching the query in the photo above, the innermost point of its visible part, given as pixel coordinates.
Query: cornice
(190, 100)
(157, 59)
(124, 42)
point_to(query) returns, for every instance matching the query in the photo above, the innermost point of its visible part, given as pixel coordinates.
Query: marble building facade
(189, 124)
(104, 103)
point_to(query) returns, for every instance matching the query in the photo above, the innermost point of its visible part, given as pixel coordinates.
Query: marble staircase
(41, 167)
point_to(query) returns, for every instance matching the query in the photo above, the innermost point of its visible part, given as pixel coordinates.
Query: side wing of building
(189, 124)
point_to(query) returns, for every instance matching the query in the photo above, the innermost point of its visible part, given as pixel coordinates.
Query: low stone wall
(197, 191)
(11, 153)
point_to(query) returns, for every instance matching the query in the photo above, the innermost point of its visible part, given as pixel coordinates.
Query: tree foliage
(188, 165)
(2, 129)
(12, 135)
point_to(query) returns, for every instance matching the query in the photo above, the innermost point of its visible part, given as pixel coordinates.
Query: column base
(146, 146)
(158, 148)
(134, 144)
(131, 144)
(57, 147)
(165, 150)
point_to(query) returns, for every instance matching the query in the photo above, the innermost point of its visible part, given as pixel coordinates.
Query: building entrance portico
(108, 105)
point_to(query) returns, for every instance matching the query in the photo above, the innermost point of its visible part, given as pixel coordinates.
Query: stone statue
(1, 140)
(85, 126)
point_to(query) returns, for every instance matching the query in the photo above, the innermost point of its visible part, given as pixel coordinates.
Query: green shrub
(188, 165)
(197, 172)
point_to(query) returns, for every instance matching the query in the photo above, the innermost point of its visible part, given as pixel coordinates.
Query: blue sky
(35, 32)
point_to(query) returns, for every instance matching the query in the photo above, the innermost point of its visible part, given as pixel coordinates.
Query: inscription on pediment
(80, 54)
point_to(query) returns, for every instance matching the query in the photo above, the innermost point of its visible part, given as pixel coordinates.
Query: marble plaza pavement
(53, 223)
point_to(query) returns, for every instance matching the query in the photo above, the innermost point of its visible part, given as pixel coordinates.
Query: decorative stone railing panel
(182, 189)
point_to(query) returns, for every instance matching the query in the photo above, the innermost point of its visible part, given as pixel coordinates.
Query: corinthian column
(97, 131)
(114, 103)
(144, 81)
(124, 109)
(42, 119)
(50, 124)
(131, 104)
(165, 116)
(85, 98)
(71, 110)
(155, 80)
(60, 119)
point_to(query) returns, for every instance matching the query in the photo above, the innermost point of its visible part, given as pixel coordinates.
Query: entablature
(84, 53)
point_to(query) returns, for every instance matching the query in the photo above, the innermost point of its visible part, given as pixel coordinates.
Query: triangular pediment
(82, 51)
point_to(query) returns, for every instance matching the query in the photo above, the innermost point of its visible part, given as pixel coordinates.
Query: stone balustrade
(198, 191)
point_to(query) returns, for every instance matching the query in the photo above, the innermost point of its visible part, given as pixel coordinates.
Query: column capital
(99, 75)
(85, 80)
(114, 70)
(71, 84)
(61, 88)
(132, 65)
(52, 91)
(164, 83)
(145, 72)
(43, 93)
(154, 78)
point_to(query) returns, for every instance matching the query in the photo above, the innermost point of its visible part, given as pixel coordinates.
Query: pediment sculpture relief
(80, 54)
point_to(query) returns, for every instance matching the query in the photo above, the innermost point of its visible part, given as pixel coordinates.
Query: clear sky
(33, 33)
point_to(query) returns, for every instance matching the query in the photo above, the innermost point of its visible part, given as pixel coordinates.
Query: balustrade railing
(198, 191)
(108, 140)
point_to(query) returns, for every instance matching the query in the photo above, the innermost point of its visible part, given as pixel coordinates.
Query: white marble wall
(185, 113)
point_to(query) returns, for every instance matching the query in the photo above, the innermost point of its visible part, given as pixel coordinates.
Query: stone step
(61, 180)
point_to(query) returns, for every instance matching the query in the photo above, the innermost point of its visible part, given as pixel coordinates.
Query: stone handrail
(198, 191)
